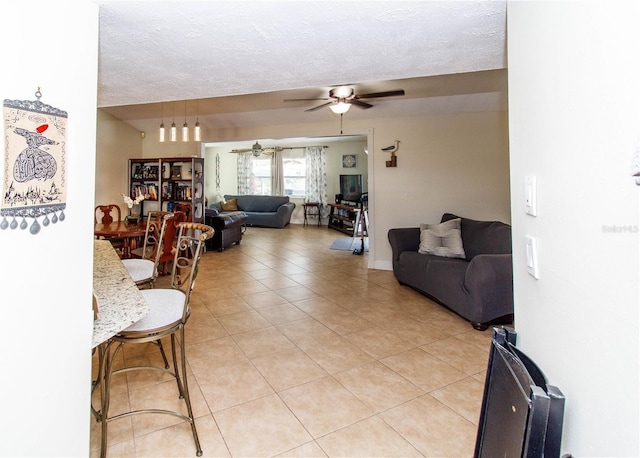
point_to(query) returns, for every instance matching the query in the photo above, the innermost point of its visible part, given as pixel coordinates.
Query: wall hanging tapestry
(35, 175)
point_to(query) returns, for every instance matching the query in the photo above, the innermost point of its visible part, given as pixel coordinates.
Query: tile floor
(298, 350)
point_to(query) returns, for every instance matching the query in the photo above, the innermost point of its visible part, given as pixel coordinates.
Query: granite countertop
(119, 300)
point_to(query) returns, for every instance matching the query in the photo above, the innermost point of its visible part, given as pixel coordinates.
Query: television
(351, 187)
(521, 414)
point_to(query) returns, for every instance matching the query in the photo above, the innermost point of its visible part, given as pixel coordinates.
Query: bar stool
(312, 210)
(169, 310)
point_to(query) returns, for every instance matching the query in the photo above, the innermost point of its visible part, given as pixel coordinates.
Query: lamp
(185, 128)
(340, 107)
(196, 129)
(256, 149)
(174, 132)
(162, 124)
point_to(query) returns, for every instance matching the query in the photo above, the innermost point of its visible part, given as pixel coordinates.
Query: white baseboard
(383, 265)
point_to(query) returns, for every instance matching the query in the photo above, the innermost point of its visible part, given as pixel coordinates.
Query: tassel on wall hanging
(35, 175)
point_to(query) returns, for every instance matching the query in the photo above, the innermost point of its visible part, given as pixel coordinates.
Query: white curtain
(277, 174)
(316, 177)
(245, 173)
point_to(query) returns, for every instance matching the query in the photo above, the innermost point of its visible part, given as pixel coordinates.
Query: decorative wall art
(349, 161)
(35, 175)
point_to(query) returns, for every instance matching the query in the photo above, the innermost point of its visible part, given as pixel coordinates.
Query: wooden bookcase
(168, 181)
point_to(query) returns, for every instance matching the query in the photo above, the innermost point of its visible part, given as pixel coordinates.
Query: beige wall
(453, 162)
(116, 143)
(448, 163)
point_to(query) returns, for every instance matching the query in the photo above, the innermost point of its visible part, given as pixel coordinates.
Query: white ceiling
(241, 59)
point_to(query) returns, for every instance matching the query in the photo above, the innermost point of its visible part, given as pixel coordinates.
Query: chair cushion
(165, 307)
(139, 269)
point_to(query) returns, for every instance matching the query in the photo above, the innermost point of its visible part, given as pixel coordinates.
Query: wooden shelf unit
(168, 181)
(342, 217)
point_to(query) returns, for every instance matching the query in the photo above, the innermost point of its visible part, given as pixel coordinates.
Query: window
(294, 170)
(261, 176)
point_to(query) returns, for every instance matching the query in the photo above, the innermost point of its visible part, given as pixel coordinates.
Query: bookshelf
(166, 182)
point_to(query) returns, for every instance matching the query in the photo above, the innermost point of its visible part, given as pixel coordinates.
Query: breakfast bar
(120, 303)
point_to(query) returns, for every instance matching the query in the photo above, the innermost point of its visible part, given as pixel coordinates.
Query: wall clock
(349, 161)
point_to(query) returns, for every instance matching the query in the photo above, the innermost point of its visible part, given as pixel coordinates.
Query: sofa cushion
(442, 239)
(229, 205)
(483, 237)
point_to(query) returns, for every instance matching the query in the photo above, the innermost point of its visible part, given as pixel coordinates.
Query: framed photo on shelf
(349, 161)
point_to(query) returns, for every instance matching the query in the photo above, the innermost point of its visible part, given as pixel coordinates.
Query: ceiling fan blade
(319, 106)
(374, 95)
(246, 150)
(360, 103)
(305, 100)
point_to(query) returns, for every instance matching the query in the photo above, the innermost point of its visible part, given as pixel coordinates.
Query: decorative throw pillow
(442, 239)
(230, 205)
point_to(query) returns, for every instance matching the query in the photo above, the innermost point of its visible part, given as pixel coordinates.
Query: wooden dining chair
(185, 208)
(169, 242)
(105, 214)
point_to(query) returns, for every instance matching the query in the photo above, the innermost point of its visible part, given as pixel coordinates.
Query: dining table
(128, 232)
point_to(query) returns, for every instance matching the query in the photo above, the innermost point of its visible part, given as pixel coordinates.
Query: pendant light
(162, 124)
(185, 128)
(174, 132)
(196, 129)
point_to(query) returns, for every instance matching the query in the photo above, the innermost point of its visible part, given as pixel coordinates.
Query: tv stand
(343, 216)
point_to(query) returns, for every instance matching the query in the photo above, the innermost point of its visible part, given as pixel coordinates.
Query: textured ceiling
(240, 59)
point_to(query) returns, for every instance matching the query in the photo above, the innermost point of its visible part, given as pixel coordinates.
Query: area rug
(350, 244)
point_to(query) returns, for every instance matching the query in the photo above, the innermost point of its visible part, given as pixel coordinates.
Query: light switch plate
(532, 256)
(530, 195)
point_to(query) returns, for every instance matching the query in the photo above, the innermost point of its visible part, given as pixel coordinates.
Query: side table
(311, 210)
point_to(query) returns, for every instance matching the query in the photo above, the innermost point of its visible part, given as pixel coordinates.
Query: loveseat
(461, 263)
(264, 211)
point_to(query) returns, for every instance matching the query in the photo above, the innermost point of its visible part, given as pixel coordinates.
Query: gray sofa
(479, 287)
(264, 211)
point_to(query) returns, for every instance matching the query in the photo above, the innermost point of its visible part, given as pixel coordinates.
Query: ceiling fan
(257, 150)
(342, 97)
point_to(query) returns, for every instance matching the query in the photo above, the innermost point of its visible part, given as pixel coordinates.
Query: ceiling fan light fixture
(340, 107)
(341, 92)
(256, 149)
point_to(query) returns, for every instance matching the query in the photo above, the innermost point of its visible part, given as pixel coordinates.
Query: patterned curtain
(245, 173)
(277, 174)
(316, 177)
